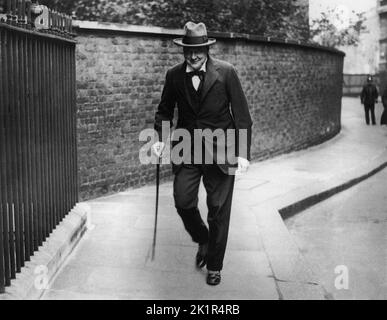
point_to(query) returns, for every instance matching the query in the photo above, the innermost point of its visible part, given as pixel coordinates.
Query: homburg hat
(195, 35)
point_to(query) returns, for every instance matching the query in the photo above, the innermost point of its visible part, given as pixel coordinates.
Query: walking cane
(157, 206)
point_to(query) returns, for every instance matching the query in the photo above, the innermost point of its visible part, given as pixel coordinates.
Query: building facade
(382, 12)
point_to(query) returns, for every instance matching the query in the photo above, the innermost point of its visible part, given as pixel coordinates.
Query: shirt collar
(202, 68)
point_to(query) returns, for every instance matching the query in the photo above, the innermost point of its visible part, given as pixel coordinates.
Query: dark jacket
(369, 94)
(384, 98)
(223, 105)
(383, 119)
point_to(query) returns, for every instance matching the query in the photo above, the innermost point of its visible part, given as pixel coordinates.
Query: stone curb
(295, 279)
(293, 276)
(37, 275)
(343, 185)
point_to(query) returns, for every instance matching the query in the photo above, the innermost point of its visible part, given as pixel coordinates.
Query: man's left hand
(243, 165)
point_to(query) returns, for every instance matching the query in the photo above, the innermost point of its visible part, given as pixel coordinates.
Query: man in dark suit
(369, 96)
(208, 96)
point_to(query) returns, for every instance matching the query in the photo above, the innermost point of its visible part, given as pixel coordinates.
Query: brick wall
(294, 94)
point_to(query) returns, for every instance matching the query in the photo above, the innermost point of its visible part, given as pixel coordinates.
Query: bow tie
(198, 73)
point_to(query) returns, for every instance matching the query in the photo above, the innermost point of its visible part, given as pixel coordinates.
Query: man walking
(369, 96)
(208, 96)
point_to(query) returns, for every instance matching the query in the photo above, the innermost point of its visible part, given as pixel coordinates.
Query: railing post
(2, 274)
(22, 13)
(19, 13)
(28, 14)
(9, 11)
(4, 148)
(2, 178)
(14, 12)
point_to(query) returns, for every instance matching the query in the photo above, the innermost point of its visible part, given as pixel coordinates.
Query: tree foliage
(263, 17)
(332, 29)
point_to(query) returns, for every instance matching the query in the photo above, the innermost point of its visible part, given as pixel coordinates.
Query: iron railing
(38, 172)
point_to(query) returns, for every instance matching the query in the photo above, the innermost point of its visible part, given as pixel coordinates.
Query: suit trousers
(219, 188)
(369, 108)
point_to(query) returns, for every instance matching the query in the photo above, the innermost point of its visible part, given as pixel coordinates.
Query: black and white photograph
(188, 155)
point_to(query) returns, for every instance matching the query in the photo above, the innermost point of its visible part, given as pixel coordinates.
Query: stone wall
(293, 90)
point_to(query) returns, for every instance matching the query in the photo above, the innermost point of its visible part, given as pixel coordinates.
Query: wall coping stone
(150, 30)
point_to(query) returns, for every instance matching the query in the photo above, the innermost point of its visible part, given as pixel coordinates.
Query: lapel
(210, 78)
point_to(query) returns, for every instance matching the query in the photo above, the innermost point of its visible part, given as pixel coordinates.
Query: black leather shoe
(201, 256)
(213, 278)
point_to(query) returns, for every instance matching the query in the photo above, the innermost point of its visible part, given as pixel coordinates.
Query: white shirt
(196, 79)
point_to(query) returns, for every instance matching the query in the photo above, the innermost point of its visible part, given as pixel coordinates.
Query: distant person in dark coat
(383, 120)
(369, 96)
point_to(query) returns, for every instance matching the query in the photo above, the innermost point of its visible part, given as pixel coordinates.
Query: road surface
(345, 240)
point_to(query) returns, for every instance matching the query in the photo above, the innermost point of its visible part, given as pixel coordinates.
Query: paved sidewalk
(262, 260)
